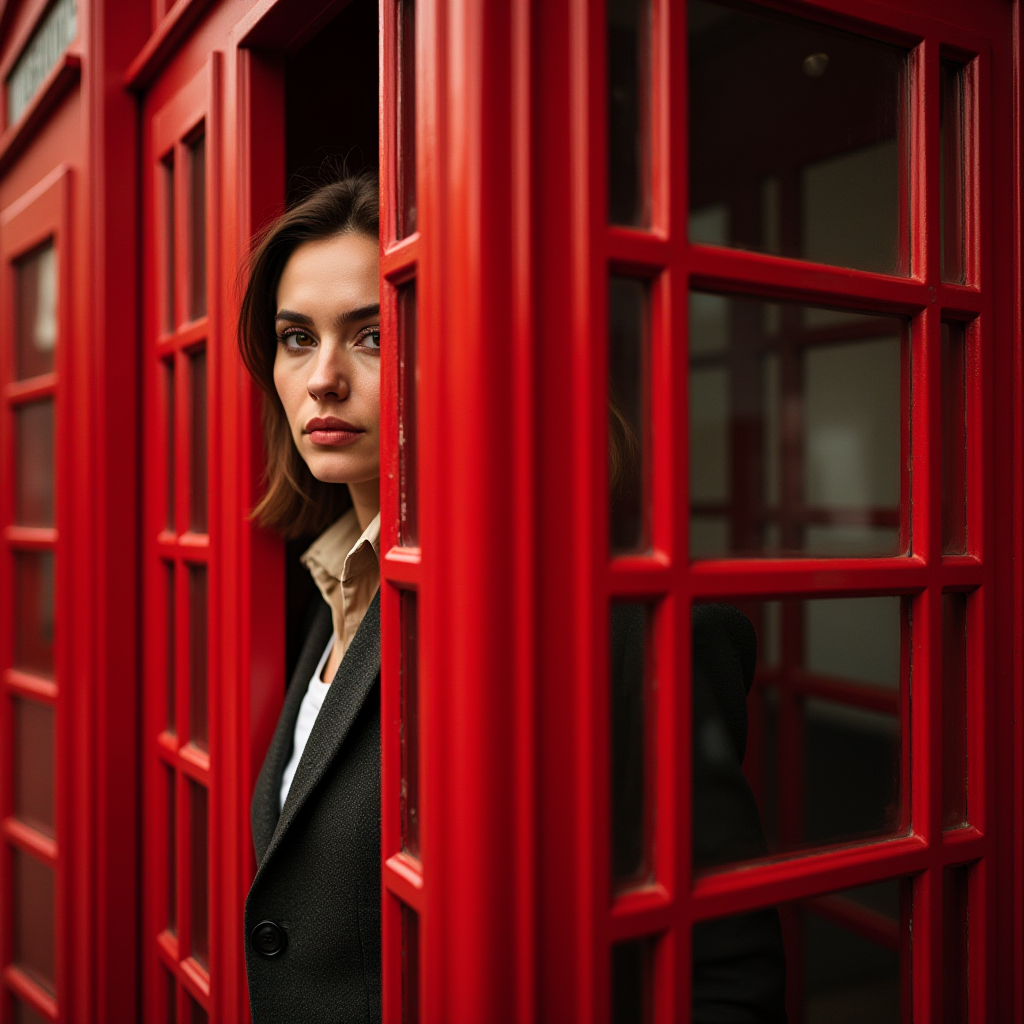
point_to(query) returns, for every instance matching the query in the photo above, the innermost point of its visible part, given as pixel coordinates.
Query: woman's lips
(332, 432)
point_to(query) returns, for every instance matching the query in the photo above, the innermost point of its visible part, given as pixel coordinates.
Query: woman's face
(327, 368)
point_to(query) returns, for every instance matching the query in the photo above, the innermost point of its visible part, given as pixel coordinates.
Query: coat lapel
(355, 678)
(267, 795)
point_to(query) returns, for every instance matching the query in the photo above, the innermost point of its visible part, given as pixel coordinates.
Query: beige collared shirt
(345, 565)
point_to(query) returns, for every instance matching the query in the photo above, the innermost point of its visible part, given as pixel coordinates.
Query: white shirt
(308, 710)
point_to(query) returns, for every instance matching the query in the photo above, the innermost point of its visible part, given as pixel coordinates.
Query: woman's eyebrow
(299, 318)
(360, 313)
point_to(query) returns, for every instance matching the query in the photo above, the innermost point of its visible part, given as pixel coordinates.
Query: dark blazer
(312, 917)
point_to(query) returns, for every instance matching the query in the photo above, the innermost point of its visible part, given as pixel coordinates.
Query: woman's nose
(328, 379)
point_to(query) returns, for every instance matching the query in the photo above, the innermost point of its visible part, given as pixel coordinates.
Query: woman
(309, 334)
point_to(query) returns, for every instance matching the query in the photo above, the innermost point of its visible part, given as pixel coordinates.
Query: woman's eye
(370, 338)
(297, 340)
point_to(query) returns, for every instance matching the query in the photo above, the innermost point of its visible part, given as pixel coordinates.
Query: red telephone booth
(684, 302)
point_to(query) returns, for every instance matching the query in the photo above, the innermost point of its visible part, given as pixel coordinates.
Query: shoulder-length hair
(295, 502)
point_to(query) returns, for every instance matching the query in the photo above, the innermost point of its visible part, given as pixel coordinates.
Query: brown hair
(295, 502)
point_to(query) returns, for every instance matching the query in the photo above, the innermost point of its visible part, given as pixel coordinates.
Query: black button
(268, 938)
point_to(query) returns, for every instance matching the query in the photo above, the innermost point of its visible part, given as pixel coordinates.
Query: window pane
(34, 611)
(170, 249)
(198, 438)
(406, 120)
(34, 764)
(631, 689)
(955, 945)
(410, 966)
(199, 1015)
(847, 959)
(629, 112)
(24, 1014)
(954, 710)
(812, 163)
(172, 850)
(826, 707)
(197, 627)
(408, 376)
(631, 978)
(172, 997)
(172, 642)
(797, 434)
(954, 439)
(951, 170)
(168, 446)
(629, 413)
(34, 482)
(197, 228)
(33, 918)
(410, 728)
(200, 855)
(36, 312)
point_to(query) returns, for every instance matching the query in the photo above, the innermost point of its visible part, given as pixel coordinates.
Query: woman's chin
(333, 468)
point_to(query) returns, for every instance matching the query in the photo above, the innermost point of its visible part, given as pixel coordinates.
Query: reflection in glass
(197, 629)
(631, 979)
(813, 162)
(34, 765)
(796, 429)
(200, 855)
(954, 710)
(826, 706)
(34, 611)
(631, 690)
(954, 438)
(629, 112)
(410, 728)
(34, 463)
(33, 889)
(197, 228)
(846, 957)
(629, 413)
(170, 248)
(410, 965)
(951, 170)
(35, 312)
(406, 120)
(955, 945)
(198, 438)
(408, 376)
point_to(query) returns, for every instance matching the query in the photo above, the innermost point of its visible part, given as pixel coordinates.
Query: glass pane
(34, 765)
(631, 688)
(197, 228)
(410, 728)
(798, 133)
(632, 1001)
(34, 463)
(846, 958)
(172, 851)
(198, 438)
(954, 710)
(410, 966)
(629, 112)
(34, 611)
(198, 1014)
(951, 170)
(36, 312)
(955, 945)
(406, 119)
(169, 436)
(172, 997)
(24, 1014)
(172, 643)
(199, 864)
(408, 376)
(34, 918)
(629, 376)
(954, 439)
(797, 435)
(198, 732)
(170, 249)
(825, 708)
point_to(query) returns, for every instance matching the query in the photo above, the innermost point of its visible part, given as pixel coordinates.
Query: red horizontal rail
(31, 992)
(26, 685)
(28, 390)
(404, 879)
(398, 261)
(184, 338)
(799, 514)
(26, 838)
(402, 566)
(854, 917)
(641, 912)
(31, 538)
(640, 253)
(196, 980)
(869, 696)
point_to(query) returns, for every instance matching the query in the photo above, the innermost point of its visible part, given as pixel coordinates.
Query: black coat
(312, 917)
